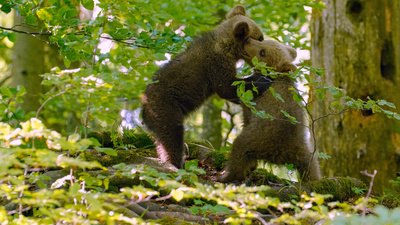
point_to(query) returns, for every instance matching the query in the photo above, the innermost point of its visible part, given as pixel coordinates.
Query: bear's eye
(262, 53)
(261, 38)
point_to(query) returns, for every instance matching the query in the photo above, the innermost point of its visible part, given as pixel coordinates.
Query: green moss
(262, 177)
(200, 150)
(219, 159)
(104, 138)
(170, 221)
(138, 140)
(129, 138)
(340, 187)
(124, 156)
(195, 149)
(390, 199)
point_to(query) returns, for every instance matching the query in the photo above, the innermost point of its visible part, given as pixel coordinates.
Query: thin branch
(163, 198)
(47, 100)
(5, 79)
(24, 32)
(18, 210)
(365, 172)
(71, 174)
(332, 114)
(261, 220)
(127, 41)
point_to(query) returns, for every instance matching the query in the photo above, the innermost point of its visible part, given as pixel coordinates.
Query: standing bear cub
(208, 66)
(276, 141)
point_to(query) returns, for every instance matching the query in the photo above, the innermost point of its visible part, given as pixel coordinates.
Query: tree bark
(28, 63)
(357, 43)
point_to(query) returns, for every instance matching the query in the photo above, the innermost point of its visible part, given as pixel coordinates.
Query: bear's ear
(237, 10)
(241, 30)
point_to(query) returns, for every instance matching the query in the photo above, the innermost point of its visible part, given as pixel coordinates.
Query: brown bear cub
(206, 67)
(276, 141)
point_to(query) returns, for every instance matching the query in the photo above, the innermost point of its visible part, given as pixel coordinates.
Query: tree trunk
(28, 63)
(212, 124)
(357, 43)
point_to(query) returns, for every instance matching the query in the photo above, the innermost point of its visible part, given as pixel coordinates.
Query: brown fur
(208, 66)
(276, 141)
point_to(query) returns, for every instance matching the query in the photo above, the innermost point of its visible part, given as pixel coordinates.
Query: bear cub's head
(241, 28)
(273, 53)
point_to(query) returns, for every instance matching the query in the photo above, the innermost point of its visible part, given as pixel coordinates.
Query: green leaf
(289, 167)
(12, 37)
(276, 95)
(44, 14)
(297, 97)
(94, 141)
(177, 195)
(293, 119)
(336, 93)
(248, 95)
(41, 184)
(384, 102)
(323, 155)
(160, 56)
(320, 96)
(190, 31)
(336, 104)
(221, 208)
(254, 61)
(6, 8)
(74, 137)
(108, 151)
(67, 63)
(88, 4)
(194, 210)
(192, 166)
(106, 183)
(31, 20)
(6, 92)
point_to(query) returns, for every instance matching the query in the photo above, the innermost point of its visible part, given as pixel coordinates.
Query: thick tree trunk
(357, 43)
(28, 63)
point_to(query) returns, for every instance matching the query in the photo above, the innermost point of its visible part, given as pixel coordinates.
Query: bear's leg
(240, 160)
(166, 123)
(169, 144)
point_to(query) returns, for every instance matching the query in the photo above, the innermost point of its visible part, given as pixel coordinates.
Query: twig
(365, 172)
(105, 36)
(24, 32)
(5, 79)
(261, 220)
(163, 198)
(71, 173)
(19, 210)
(332, 114)
(47, 100)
